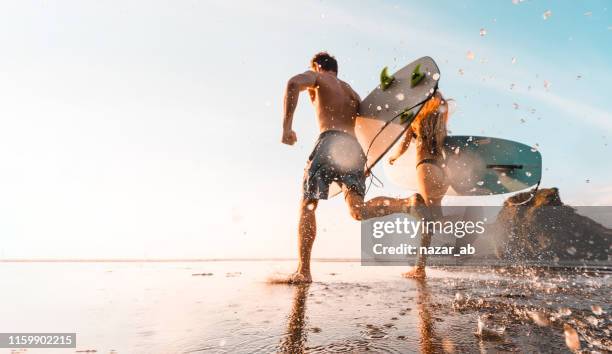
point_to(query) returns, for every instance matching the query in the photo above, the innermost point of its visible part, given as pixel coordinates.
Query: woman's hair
(429, 126)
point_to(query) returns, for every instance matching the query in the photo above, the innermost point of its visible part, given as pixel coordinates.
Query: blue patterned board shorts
(337, 157)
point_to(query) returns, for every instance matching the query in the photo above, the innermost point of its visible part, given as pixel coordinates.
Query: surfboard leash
(533, 194)
(369, 168)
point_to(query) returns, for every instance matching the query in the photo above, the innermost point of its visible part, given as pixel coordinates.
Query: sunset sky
(151, 129)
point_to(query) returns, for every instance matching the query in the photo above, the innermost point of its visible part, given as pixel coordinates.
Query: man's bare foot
(295, 278)
(415, 273)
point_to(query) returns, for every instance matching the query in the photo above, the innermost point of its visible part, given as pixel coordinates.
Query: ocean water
(229, 307)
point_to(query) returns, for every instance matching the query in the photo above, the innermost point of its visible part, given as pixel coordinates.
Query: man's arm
(356, 99)
(403, 146)
(295, 85)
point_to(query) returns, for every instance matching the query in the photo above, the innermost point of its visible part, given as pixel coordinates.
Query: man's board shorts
(337, 157)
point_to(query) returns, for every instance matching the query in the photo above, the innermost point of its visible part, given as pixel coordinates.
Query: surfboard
(386, 113)
(476, 166)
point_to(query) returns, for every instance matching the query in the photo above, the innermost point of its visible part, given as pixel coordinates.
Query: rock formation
(539, 227)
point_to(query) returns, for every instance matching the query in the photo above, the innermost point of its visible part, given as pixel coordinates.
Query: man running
(337, 155)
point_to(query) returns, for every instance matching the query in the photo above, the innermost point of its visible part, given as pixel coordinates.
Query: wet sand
(228, 307)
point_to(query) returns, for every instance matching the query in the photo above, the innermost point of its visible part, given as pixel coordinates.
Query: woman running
(429, 131)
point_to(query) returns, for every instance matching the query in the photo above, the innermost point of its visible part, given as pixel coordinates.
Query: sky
(151, 129)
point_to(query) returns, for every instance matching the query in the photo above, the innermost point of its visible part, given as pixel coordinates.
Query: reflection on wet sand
(426, 325)
(296, 336)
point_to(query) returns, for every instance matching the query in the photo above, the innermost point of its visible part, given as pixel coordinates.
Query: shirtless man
(337, 156)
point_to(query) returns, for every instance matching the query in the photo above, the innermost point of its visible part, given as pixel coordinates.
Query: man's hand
(289, 137)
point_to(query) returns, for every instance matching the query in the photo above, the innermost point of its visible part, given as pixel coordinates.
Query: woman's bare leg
(432, 186)
(418, 271)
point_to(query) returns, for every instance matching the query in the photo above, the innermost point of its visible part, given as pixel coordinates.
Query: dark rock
(540, 227)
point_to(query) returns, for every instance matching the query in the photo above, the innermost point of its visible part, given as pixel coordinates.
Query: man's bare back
(336, 103)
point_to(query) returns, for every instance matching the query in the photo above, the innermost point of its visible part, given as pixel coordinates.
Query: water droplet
(461, 72)
(539, 318)
(588, 13)
(436, 76)
(593, 321)
(597, 310)
(515, 105)
(513, 60)
(571, 250)
(564, 311)
(480, 183)
(483, 32)
(546, 15)
(470, 55)
(400, 96)
(571, 337)
(378, 108)
(546, 84)
(528, 174)
(588, 180)
(448, 345)
(488, 328)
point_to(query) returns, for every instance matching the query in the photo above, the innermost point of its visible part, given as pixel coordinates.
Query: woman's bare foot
(295, 278)
(418, 208)
(415, 273)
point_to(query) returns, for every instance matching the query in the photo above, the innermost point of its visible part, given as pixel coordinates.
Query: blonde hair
(429, 126)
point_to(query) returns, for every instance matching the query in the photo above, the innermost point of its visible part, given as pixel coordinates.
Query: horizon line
(163, 260)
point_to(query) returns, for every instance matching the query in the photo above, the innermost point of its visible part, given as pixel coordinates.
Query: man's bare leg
(375, 207)
(307, 230)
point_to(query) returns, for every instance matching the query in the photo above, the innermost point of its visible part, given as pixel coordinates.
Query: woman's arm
(403, 146)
